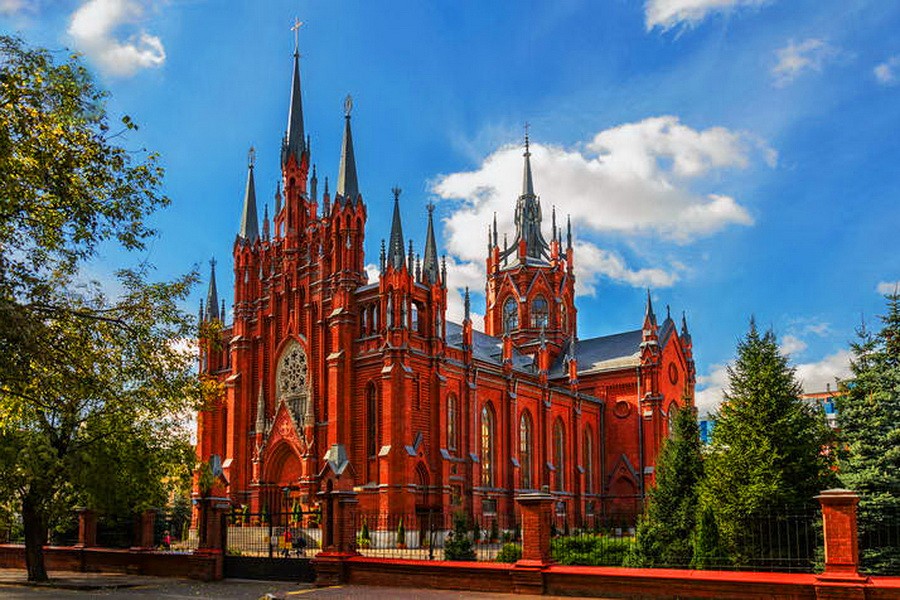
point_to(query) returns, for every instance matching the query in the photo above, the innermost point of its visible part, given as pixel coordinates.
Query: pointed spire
(685, 334)
(495, 228)
(396, 257)
(410, 257)
(249, 231)
(467, 316)
(266, 221)
(418, 269)
(527, 181)
(430, 263)
(383, 257)
(444, 271)
(201, 314)
(212, 294)
(294, 137)
(314, 186)
(649, 315)
(277, 198)
(222, 311)
(261, 411)
(347, 185)
(568, 231)
(553, 223)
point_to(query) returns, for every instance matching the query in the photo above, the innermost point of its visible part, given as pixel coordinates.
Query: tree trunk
(35, 523)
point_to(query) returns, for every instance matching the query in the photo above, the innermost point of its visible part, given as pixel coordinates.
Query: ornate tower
(531, 284)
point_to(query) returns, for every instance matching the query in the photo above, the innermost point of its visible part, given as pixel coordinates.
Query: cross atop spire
(347, 185)
(249, 229)
(396, 254)
(528, 215)
(293, 143)
(430, 269)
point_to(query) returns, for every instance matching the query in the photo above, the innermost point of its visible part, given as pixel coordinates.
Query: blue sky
(738, 157)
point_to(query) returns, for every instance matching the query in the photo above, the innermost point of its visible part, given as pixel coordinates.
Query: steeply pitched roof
(602, 353)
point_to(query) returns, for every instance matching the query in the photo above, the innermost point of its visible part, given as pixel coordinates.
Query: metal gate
(277, 546)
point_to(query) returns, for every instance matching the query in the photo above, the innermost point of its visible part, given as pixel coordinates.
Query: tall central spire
(528, 216)
(293, 139)
(212, 294)
(347, 185)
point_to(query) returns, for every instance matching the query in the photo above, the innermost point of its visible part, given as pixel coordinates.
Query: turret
(293, 144)
(430, 273)
(212, 294)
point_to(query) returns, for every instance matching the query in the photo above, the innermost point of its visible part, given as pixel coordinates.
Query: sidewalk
(74, 580)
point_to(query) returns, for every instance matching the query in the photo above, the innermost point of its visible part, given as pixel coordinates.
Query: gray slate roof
(602, 353)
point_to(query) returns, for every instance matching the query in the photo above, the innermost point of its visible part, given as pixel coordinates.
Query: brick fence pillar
(144, 530)
(338, 536)
(212, 531)
(87, 528)
(841, 578)
(537, 514)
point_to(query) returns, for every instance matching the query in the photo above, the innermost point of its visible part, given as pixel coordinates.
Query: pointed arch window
(539, 312)
(559, 454)
(588, 446)
(510, 315)
(487, 447)
(452, 422)
(525, 445)
(371, 421)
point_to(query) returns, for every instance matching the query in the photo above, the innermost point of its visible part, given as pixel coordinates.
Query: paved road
(124, 586)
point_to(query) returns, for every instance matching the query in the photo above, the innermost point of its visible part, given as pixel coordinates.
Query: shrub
(509, 553)
(364, 539)
(590, 550)
(401, 533)
(495, 530)
(458, 545)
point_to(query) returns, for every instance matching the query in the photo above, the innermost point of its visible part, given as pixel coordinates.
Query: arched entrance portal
(282, 478)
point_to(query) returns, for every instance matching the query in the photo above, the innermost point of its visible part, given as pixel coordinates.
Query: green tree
(665, 530)
(458, 545)
(869, 419)
(768, 448)
(91, 388)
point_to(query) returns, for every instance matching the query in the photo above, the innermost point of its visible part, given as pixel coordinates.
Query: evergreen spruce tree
(767, 450)
(869, 419)
(665, 531)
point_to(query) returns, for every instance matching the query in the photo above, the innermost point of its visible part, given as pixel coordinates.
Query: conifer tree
(767, 449)
(666, 528)
(869, 419)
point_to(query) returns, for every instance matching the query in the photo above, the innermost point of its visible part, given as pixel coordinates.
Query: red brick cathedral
(327, 372)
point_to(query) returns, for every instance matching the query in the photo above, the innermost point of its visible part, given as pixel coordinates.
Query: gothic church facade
(323, 368)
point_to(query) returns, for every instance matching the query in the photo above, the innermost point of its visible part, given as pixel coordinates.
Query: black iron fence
(435, 535)
(293, 534)
(879, 539)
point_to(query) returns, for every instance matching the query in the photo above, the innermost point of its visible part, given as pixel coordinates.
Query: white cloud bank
(888, 287)
(886, 72)
(94, 26)
(796, 58)
(11, 7)
(634, 179)
(666, 14)
(813, 376)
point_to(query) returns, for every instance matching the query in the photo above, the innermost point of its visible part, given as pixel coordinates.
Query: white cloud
(813, 377)
(794, 59)
(666, 14)
(637, 178)
(373, 272)
(886, 72)
(11, 7)
(791, 344)
(94, 26)
(888, 287)
(592, 262)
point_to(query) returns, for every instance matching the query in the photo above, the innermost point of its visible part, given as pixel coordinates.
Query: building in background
(325, 370)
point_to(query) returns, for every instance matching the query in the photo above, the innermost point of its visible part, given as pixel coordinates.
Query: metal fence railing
(435, 535)
(879, 539)
(294, 534)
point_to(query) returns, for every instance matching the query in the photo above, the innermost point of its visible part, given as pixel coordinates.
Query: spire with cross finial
(430, 274)
(249, 229)
(528, 215)
(293, 144)
(347, 185)
(396, 255)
